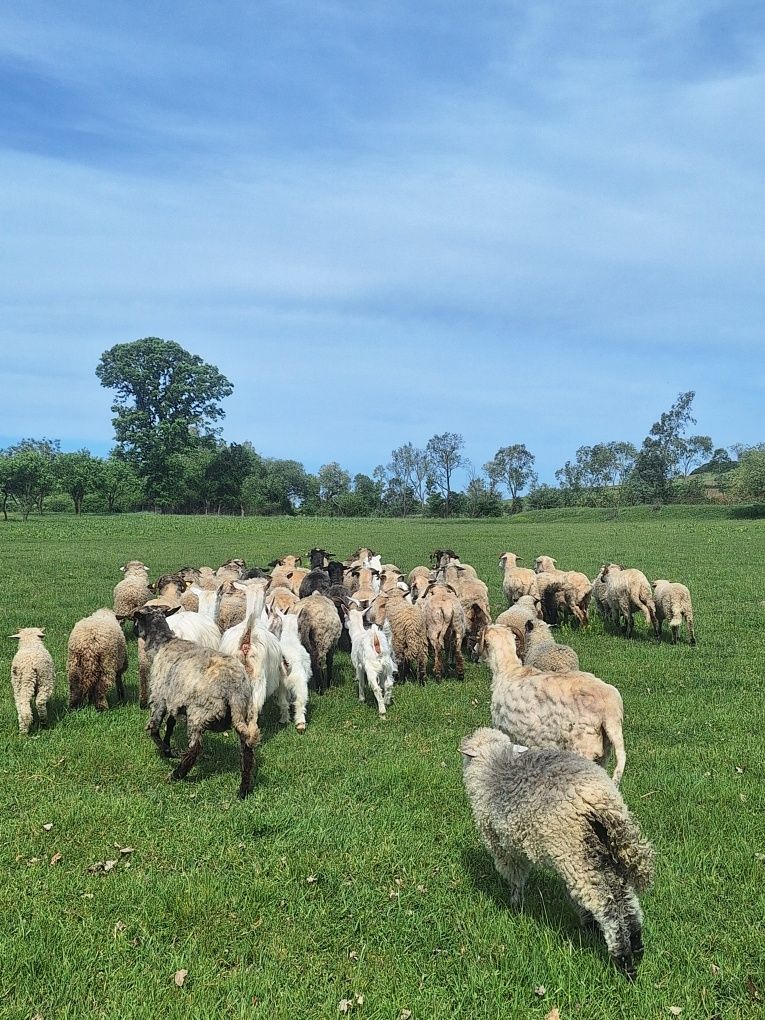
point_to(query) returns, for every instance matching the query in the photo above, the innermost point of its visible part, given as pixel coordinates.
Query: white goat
(297, 672)
(371, 658)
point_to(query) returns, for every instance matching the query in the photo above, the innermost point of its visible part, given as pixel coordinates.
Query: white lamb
(297, 672)
(371, 658)
(32, 676)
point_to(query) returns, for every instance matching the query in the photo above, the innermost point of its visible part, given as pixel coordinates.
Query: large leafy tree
(662, 451)
(78, 474)
(512, 466)
(167, 401)
(444, 457)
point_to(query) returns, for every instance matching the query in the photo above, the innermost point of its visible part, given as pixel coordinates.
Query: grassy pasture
(354, 869)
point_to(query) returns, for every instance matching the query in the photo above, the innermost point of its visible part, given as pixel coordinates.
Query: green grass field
(353, 870)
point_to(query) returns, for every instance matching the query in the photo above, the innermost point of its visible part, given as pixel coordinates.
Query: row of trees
(169, 457)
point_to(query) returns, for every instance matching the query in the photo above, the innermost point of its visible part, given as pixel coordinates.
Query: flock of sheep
(214, 645)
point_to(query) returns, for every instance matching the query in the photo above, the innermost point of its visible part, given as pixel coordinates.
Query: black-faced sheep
(210, 689)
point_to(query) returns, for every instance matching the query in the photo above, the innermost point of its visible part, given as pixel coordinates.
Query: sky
(526, 223)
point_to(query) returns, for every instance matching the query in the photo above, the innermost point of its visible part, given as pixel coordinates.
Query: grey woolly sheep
(600, 597)
(554, 809)
(132, 591)
(210, 689)
(673, 603)
(319, 628)
(627, 591)
(544, 653)
(33, 676)
(96, 660)
(573, 711)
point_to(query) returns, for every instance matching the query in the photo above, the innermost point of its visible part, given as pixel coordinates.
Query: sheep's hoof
(143, 704)
(173, 777)
(383, 716)
(242, 793)
(170, 753)
(627, 966)
(300, 727)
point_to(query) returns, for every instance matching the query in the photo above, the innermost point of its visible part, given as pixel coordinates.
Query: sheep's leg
(154, 727)
(283, 701)
(189, 758)
(378, 695)
(459, 660)
(650, 617)
(248, 761)
(23, 710)
(361, 681)
(675, 633)
(422, 668)
(120, 686)
(41, 703)
(75, 690)
(438, 669)
(515, 873)
(300, 701)
(329, 662)
(629, 623)
(659, 625)
(143, 674)
(167, 749)
(691, 632)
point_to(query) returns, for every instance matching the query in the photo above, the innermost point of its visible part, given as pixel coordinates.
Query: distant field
(354, 868)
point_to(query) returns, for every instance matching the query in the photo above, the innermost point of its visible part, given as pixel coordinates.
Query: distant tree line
(169, 457)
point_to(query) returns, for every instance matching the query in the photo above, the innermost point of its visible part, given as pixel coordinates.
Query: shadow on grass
(754, 512)
(545, 902)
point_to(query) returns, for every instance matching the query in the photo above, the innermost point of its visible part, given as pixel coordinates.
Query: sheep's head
(545, 564)
(151, 620)
(509, 559)
(28, 633)
(479, 741)
(497, 638)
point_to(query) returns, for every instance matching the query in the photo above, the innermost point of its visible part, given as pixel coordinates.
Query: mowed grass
(353, 869)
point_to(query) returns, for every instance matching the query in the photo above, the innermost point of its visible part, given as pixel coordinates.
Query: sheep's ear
(17, 636)
(449, 588)
(468, 748)
(290, 574)
(529, 625)
(376, 639)
(502, 559)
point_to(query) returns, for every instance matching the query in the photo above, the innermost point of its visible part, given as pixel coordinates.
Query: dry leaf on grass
(541, 991)
(56, 858)
(119, 927)
(344, 1006)
(676, 1010)
(553, 1014)
(405, 1014)
(179, 977)
(102, 867)
(311, 879)
(48, 826)
(751, 989)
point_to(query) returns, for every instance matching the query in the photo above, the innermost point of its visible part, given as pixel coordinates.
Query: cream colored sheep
(554, 809)
(280, 599)
(96, 660)
(408, 636)
(132, 591)
(445, 627)
(33, 676)
(319, 628)
(628, 590)
(673, 604)
(572, 711)
(518, 615)
(517, 581)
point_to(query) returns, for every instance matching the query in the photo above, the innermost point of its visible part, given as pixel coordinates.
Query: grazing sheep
(288, 562)
(210, 689)
(408, 635)
(628, 591)
(295, 578)
(554, 809)
(566, 590)
(517, 581)
(673, 603)
(96, 660)
(525, 609)
(280, 599)
(445, 626)
(319, 558)
(572, 711)
(132, 591)
(419, 579)
(371, 659)
(336, 572)
(231, 570)
(33, 676)
(544, 653)
(319, 628)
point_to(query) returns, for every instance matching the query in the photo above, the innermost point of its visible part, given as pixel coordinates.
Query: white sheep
(573, 711)
(554, 809)
(673, 604)
(627, 591)
(517, 581)
(33, 676)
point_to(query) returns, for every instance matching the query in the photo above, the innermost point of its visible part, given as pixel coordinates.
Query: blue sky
(522, 222)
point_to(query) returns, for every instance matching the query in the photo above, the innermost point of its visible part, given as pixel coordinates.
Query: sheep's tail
(613, 730)
(84, 664)
(620, 840)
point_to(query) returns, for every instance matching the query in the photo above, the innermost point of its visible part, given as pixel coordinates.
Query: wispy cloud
(528, 223)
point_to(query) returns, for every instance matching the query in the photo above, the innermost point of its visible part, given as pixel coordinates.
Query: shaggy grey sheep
(554, 809)
(132, 591)
(210, 689)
